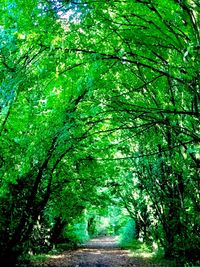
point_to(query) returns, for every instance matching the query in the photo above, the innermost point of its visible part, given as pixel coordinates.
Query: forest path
(98, 252)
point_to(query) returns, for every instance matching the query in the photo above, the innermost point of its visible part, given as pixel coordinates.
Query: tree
(100, 101)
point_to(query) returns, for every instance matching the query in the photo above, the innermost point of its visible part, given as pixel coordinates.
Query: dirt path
(99, 252)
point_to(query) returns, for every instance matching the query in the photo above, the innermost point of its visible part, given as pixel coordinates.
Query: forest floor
(98, 252)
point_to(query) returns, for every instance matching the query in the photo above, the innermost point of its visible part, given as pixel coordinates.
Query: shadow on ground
(98, 252)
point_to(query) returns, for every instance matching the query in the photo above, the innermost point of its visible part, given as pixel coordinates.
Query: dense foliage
(99, 107)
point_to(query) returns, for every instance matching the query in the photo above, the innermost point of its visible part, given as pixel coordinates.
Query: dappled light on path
(102, 242)
(98, 252)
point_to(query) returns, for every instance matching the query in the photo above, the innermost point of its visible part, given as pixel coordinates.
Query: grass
(40, 258)
(154, 256)
(137, 248)
(145, 251)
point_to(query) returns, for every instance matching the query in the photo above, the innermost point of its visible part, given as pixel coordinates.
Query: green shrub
(76, 232)
(127, 235)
